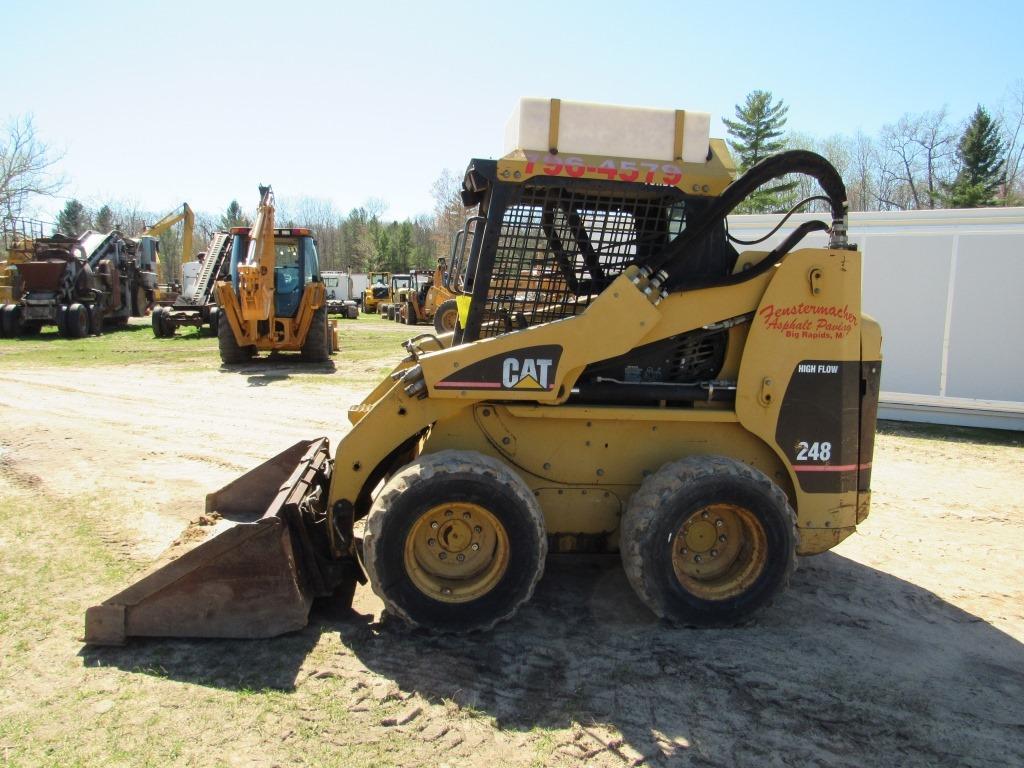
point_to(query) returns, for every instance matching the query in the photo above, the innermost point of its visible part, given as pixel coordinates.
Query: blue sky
(160, 103)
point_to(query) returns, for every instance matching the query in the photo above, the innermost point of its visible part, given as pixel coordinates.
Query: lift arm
(256, 275)
(183, 213)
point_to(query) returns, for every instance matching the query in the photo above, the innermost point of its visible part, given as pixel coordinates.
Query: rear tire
(446, 316)
(157, 320)
(231, 353)
(317, 347)
(455, 542)
(10, 320)
(95, 320)
(410, 313)
(214, 316)
(708, 541)
(76, 321)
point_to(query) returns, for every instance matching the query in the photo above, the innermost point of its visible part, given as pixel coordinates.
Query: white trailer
(946, 287)
(341, 295)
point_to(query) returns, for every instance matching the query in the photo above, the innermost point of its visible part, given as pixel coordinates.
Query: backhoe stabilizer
(249, 567)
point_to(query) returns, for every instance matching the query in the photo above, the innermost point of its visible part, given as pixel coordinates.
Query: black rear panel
(819, 425)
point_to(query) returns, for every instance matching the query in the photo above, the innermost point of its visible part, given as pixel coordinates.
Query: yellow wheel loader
(377, 292)
(622, 381)
(431, 302)
(275, 299)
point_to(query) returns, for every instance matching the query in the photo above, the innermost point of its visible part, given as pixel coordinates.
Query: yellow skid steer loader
(621, 380)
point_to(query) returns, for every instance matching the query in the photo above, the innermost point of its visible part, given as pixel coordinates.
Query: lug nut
(475, 547)
(722, 538)
(431, 542)
(714, 553)
(443, 555)
(477, 529)
(704, 514)
(684, 551)
(460, 557)
(465, 515)
(435, 525)
(719, 523)
(446, 591)
(448, 513)
(698, 559)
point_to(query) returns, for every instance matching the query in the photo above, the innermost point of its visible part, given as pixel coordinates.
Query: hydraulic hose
(673, 259)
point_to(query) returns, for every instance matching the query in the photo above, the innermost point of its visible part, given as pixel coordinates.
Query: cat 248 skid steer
(621, 380)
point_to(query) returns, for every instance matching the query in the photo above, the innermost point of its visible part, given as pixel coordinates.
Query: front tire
(231, 353)
(446, 316)
(76, 321)
(317, 347)
(708, 541)
(455, 542)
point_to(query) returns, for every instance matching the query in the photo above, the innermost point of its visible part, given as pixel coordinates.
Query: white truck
(343, 290)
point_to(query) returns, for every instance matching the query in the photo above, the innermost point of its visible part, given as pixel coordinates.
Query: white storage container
(606, 130)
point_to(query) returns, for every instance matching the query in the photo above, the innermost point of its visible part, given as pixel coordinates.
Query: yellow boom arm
(256, 275)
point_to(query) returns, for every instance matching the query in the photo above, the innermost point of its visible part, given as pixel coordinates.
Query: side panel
(799, 387)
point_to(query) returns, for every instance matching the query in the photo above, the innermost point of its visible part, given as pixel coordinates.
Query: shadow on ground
(276, 368)
(851, 666)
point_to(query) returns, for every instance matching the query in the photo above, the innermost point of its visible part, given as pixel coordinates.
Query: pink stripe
(833, 468)
(467, 385)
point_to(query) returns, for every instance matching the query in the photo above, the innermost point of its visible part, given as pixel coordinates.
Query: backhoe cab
(621, 381)
(275, 299)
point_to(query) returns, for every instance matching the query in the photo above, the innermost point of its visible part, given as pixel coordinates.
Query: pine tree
(982, 166)
(73, 220)
(757, 133)
(104, 221)
(234, 217)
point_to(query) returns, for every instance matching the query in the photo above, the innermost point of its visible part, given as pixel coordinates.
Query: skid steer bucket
(249, 567)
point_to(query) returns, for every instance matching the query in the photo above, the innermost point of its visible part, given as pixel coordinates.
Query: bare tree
(917, 159)
(860, 180)
(449, 212)
(26, 168)
(1010, 117)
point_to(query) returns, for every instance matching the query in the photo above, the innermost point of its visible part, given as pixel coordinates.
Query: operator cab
(295, 264)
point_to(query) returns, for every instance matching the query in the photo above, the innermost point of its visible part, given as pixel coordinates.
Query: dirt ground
(901, 647)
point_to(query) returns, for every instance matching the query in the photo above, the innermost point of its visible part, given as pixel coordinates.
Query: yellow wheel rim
(456, 552)
(719, 551)
(448, 319)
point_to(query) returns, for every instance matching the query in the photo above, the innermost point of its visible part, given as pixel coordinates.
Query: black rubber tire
(31, 328)
(167, 323)
(410, 313)
(62, 313)
(139, 301)
(317, 347)
(95, 320)
(76, 321)
(667, 498)
(157, 321)
(230, 351)
(3, 308)
(454, 476)
(448, 309)
(10, 321)
(214, 320)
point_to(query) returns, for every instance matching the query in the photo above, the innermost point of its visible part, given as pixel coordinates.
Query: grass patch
(134, 343)
(370, 344)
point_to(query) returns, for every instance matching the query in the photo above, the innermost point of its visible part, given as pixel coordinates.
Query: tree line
(925, 160)
(921, 161)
